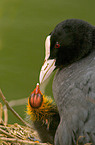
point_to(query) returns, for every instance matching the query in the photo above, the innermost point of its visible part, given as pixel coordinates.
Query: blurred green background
(24, 25)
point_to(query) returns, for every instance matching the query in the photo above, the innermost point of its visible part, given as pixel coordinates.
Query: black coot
(72, 50)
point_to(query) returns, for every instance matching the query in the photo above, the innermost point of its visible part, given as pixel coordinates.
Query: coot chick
(43, 114)
(70, 47)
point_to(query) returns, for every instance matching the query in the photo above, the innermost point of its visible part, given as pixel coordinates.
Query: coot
(70, 48)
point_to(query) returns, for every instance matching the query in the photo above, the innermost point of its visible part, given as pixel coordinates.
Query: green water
(24, 25)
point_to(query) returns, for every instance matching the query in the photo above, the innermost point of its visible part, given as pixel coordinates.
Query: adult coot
(70, 47)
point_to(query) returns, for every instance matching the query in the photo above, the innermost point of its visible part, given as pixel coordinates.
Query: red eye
(57, 45)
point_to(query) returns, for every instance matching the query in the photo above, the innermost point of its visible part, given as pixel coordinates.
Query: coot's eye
(57, 45)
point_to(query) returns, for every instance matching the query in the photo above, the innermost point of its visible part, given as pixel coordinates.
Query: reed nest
(15, 134)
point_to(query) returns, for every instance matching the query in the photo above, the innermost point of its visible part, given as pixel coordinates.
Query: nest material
(15, 134)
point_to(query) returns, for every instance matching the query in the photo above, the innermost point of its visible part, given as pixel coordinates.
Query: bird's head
(40, 107)
(70, 41)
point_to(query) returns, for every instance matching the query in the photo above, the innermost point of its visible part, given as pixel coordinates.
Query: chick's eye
(57, 45)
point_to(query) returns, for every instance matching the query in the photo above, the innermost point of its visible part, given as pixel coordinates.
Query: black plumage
(76, 39)
(74, 82)
(74, 93)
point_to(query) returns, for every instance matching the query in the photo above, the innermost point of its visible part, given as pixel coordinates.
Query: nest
(15, 134)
